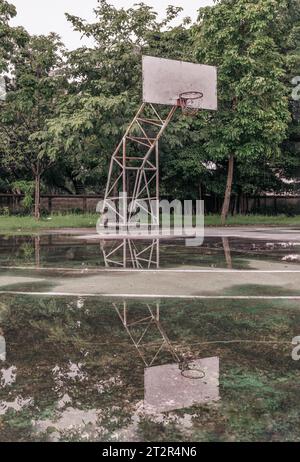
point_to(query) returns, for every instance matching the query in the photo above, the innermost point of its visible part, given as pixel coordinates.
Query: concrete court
(156, 283)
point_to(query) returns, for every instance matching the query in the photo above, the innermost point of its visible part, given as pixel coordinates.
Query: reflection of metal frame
(129, 254)
(152, 319)
(134, 167)
(168, 386)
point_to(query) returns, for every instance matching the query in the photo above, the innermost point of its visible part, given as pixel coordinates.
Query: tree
(10, 37)
(33, 94)
(106, 84)
(290, 165)
(242, 38)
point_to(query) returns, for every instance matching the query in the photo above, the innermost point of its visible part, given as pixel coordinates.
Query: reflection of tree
(227, 252)
(77, 349)
(37, 248)
(16, 250)
(67, 347)
(129, 253)
(71, 347)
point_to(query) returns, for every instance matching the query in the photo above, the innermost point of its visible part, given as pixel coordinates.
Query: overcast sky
(43, 16)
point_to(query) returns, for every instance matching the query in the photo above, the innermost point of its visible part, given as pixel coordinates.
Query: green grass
(21, 225)
(254, 220)
(249, 220)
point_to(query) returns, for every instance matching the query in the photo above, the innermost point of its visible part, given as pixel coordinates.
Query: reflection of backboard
(165, 79)
(166, 389)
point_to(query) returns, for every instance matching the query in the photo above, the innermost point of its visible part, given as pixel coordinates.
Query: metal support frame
(134, 167)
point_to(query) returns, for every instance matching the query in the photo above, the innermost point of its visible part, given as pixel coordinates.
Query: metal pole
(157, 183)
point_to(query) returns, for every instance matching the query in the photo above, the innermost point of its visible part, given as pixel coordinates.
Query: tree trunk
(227, 197)
(37, 198)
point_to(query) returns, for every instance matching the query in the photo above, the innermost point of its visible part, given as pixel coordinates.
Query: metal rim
(190, 372)
(187, 102)
(190, 95)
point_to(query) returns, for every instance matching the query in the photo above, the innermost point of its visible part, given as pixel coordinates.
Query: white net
(189, 102)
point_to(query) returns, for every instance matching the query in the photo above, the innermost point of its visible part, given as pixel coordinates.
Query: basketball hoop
(191, 370)
(188, 101)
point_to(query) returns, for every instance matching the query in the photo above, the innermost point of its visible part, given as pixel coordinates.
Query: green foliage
(31, 101)
(10, 37)
(105, 85)
(65, 112)
(4, 211)
(27, 188)
(241, 38)
(35, 86)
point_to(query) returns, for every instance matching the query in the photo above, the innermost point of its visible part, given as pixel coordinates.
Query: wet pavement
(76, 369)
(220, 267)
(71, 252)
(86, 363)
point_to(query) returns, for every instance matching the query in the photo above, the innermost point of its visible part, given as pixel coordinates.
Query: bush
(27, 188)
(4, 211)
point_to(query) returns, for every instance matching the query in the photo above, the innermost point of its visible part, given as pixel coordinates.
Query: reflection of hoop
(190, 370)
(188, 102)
